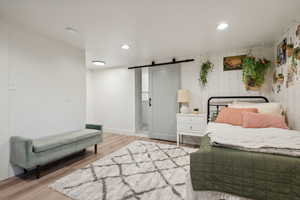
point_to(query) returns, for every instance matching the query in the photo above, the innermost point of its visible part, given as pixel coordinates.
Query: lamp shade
(183, 96)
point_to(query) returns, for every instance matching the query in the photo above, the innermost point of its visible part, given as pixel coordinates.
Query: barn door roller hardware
(153, 64)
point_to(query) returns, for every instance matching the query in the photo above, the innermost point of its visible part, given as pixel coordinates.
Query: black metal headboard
(211, 114)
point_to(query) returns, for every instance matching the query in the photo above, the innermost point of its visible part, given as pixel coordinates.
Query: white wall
(45, 83)
(112, 93)
(220, 83)
(4, 114)
(90, 97)
(112, 90)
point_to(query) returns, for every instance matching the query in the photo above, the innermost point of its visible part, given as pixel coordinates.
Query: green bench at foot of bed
(32, 153)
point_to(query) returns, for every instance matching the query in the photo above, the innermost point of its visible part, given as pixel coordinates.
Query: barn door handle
(150, 102)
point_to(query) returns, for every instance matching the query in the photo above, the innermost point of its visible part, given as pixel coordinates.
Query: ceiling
(155, 29)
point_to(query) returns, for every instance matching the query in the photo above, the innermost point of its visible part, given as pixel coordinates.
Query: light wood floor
(27, 187)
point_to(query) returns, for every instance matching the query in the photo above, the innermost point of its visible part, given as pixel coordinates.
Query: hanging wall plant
(295, 56)
(254, 71)
(205, 68)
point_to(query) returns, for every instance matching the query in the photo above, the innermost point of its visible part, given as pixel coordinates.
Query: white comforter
(268, 140)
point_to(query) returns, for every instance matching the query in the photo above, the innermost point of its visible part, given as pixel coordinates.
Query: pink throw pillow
(255, 120)
(233, 116)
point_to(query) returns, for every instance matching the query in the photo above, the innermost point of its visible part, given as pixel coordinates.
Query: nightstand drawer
(197, 120)
(184, 120)
(190, 127)
(192, 120)
(196, 127)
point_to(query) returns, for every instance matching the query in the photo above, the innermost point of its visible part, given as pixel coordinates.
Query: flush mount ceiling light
(222, 26)
(71, 30)
(125, 46)
(98, 62)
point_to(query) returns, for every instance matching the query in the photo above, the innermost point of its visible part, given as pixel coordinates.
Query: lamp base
(184, 109)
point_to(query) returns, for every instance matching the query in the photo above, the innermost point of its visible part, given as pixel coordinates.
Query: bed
(235, 163)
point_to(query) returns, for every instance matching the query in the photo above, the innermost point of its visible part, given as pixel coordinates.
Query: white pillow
(242, 102)
(265, 108)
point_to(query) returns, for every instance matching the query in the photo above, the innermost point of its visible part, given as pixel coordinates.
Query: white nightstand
(190, 124)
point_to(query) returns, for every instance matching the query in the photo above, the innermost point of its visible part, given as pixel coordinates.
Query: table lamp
(183, 98)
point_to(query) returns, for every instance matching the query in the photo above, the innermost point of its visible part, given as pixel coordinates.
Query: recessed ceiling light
(98, 62)
(222, 26)
(125, 46)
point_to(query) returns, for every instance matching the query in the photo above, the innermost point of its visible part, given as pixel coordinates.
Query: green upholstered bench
(32, 153)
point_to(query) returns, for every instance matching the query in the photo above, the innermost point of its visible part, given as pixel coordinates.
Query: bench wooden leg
(96, 148)
(37, 171)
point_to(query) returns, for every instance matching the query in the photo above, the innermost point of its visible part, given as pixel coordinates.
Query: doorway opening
(142, 100)
(156, 101)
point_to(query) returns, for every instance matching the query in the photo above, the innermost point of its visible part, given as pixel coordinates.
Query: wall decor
(295, 57)
(205, 68)
(298, 32)
(297, 53)
(275, 77)
(289, 97)
(281, 52)
(278, 82)
(280, 78)
(254, 71)
(291, 76)
(233, 62)
(278, 89)
(290, 50)
(288, 66)
(276, 86)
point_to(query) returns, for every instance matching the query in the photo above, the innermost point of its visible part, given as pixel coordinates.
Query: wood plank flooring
(26, 187)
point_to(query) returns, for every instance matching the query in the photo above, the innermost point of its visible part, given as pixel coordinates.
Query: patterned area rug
(140, 171)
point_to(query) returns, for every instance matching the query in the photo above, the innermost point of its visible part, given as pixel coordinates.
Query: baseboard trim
(123, 132)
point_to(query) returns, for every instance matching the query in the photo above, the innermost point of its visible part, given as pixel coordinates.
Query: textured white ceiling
(155, 29)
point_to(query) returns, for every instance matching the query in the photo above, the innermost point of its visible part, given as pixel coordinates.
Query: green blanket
(251, 175)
